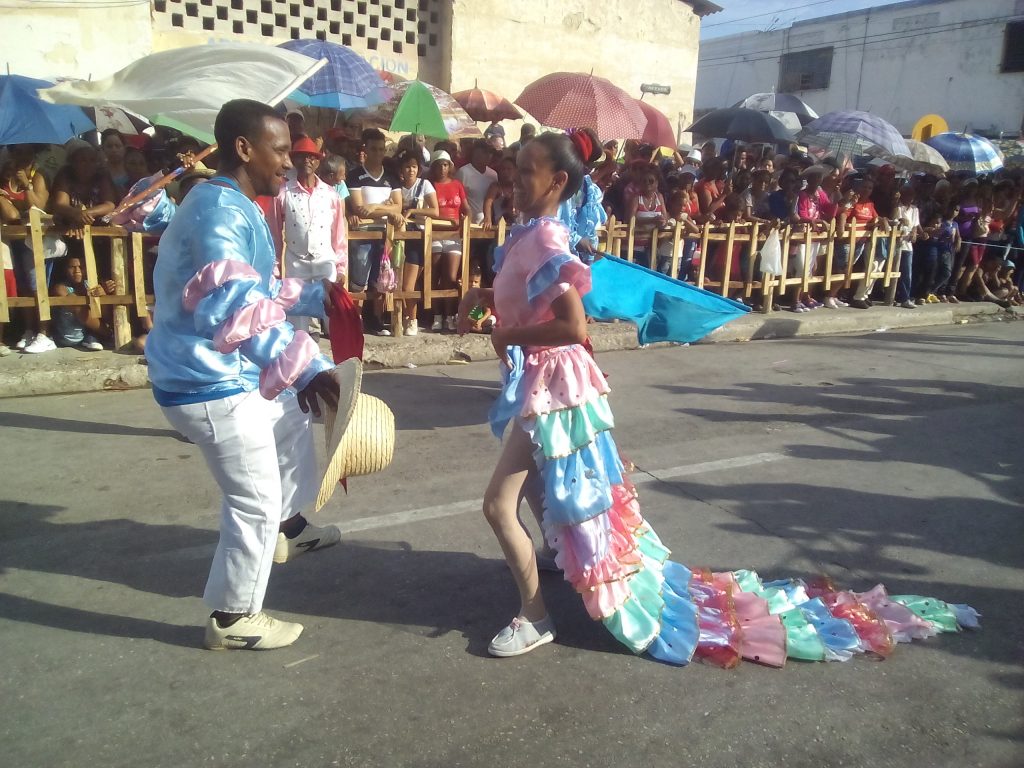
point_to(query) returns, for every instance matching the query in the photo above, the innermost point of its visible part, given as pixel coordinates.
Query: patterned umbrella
(1012, 150)
(347, 82)
(658, 132)
(741, 124)
(487, 106)
(422, 108)
(853, 132)
(966, 152)
(27, 119)
(575, 100)
(780, 102)
(922, 159)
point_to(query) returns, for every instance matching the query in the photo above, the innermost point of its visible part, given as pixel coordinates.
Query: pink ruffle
(211, 277)
(720, 639)
(872, 631)
(249, 321)
(560, 377)
(287, 366)
(903, 624)
(762, 636)
(572, 274)
(290, 292)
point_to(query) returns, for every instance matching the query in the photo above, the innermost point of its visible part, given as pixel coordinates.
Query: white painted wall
(68, 39)
(899, 62)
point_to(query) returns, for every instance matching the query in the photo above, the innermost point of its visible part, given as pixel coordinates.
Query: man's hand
(322, 386)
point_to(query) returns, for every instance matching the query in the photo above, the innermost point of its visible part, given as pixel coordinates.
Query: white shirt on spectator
(910, 218)
(476, 185)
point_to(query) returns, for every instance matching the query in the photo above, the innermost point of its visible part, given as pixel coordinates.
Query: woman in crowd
(419, 201)
(453, 206)
(647, 208)
(113, 146)
(499, 202)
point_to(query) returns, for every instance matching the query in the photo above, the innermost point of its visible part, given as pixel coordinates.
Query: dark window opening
(177, 20)
(238, 27)
(208, 24)
(1013, 47)
(397, 46)
(805, 70)
(191, 9)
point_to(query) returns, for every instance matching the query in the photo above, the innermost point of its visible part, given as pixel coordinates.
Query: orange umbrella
(484, 105)
(658, 132)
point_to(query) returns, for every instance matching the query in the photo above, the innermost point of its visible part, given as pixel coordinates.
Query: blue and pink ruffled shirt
(219, 326)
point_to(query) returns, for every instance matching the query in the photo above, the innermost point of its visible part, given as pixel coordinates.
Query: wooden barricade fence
(740, 240)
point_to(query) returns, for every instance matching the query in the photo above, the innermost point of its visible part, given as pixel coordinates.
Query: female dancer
(560, 449)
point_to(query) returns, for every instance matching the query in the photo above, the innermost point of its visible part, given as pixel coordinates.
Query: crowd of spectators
(958, 235)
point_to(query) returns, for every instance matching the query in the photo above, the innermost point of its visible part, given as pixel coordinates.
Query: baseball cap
(440, 154)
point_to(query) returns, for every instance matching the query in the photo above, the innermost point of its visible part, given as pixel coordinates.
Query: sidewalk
(71, 370)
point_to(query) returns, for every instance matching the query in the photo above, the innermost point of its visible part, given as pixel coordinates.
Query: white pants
(869, 282)
(261, 454)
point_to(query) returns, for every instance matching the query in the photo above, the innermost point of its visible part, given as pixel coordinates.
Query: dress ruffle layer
(622, 570)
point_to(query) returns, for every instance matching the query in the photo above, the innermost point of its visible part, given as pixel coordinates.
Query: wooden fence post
(139, 275)
(122, 327)
(35, 221)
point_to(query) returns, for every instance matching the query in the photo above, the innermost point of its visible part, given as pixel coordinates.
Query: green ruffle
(802, 639)
(565, 431)
(935, 611)
(637, 623)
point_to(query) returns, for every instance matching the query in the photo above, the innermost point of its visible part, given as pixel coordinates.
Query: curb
(68, 371)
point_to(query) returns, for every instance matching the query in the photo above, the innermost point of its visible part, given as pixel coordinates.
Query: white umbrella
(922, 159)
(185, 88)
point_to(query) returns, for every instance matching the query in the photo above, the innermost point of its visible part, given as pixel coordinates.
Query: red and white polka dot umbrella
(576, 100)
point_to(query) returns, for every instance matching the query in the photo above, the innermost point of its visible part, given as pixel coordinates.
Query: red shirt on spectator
(450, 195)
(864, 212)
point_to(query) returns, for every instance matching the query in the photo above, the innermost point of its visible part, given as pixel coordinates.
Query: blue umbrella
(27, 119)
(853, 132)
(965, 152)
(347, 82)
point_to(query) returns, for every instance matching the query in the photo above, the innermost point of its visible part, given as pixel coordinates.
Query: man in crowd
(477, 177)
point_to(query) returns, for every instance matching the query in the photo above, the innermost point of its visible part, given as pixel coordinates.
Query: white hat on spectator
(694, 156)
(440, 154)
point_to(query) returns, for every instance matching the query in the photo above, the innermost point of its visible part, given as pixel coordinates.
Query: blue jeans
(25, 268)
(906, 276)
(364, 263)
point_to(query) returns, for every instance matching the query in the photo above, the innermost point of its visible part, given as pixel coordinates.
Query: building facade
(960, 59)
(453, 44)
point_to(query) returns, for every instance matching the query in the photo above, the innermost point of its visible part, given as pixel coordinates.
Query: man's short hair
(372, 134)
(241, 117)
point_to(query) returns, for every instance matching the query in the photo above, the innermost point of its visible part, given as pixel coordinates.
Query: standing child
(677, 213)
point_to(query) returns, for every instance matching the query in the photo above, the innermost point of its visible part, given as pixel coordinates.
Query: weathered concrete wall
(505, 46)
(50, 41)
(900, 62)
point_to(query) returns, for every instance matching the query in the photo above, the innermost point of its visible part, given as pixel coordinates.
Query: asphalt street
(889, 457)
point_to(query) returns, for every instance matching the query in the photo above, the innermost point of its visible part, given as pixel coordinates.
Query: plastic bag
(398, 255)
(387, 282)
(771, 254)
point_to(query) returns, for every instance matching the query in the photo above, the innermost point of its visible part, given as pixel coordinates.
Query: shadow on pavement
(52, 424)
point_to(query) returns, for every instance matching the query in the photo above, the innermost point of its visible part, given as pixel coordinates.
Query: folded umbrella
(741, 124)
(25, 118)
(574, 100)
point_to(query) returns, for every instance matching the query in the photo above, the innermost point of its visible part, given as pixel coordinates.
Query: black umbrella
(780, 102)
(739, 124)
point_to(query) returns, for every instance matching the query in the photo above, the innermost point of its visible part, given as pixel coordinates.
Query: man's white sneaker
(41, 343)
(412, 328)
(26, 338)
(438, 325)
(312, 537)
(521, 637)
(89, 344)
(258, 632)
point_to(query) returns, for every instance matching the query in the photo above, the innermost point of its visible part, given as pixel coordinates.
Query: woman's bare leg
(501, 509)
(451, 265)
(410, 274)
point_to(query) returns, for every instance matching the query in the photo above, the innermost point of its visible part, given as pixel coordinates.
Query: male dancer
(234, 377)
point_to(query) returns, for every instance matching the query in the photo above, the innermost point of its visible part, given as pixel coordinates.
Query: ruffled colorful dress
(612, 556)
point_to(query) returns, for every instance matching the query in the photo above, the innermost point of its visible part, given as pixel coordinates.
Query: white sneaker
(412, 328)
(383, 332)
(831, 303)
(4, 350)
(452, 323)
(521, 637)
(89, 344)
(41, 343)
(438, 325)
(258, 632)
(26, 338)
(312, 537)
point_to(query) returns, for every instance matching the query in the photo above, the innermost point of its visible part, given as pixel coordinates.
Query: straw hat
(360, 433)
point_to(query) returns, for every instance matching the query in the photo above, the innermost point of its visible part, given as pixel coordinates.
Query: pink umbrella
(575, 100)
(487, 105)
(658, 132)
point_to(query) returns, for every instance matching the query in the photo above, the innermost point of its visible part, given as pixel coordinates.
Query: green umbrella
(430, 111)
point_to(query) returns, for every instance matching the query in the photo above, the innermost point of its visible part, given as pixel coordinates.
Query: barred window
(805, 70)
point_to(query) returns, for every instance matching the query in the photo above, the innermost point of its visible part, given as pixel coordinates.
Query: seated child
(480, 316)
(78, 326)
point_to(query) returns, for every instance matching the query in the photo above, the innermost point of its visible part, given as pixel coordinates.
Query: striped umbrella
(487, 106)
(853, 132)
(347, 82)
(576, 100)
(966, 152)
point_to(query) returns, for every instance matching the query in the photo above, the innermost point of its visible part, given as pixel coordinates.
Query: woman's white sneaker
(412, 328)
(258, 632)
(521, 637)
(41, 343)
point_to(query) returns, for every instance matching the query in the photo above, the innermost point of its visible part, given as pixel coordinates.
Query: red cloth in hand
(345, 325)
